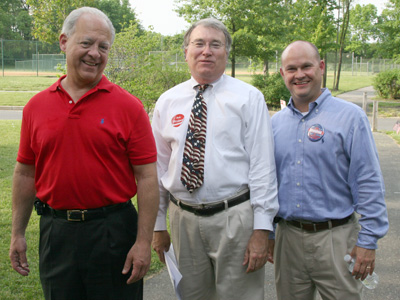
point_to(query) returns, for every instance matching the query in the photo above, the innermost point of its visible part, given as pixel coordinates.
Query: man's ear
(281, 71)
(322, 66)
(63, 42)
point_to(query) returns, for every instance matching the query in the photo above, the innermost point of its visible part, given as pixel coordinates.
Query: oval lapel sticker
(177, 120)
(316, 132)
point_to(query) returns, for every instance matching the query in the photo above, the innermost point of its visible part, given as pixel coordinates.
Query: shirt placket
(299, 165)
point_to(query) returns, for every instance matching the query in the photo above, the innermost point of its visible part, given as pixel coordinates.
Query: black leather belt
(318, 226)
(79, 215)
(211, 209)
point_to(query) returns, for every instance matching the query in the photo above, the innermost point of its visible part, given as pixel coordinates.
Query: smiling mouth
(90, 64)
(301, 83)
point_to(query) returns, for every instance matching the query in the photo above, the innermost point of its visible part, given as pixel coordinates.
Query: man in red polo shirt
(86, 149)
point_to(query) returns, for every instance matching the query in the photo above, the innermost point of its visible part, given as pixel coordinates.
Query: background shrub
(273, 88)
(387, 84)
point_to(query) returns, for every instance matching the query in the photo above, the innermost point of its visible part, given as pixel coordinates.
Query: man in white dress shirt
(220, 229)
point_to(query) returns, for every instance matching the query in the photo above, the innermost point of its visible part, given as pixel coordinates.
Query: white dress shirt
(239, 151)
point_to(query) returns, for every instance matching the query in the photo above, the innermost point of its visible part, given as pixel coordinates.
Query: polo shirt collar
(104, 84)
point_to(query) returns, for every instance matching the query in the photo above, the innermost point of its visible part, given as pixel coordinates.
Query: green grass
(23, 88)
(348, 83)
(387, 108)
(394, 136)
(26, 83)
(14, 286)
(15, 98)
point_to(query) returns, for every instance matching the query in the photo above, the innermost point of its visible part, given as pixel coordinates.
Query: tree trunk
(266, 67)
(346, 18)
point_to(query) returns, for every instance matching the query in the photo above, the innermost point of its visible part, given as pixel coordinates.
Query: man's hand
(257, 251)
(271, 246)
(18, 258)
(161, 243)
(138, 258)
(364, 262)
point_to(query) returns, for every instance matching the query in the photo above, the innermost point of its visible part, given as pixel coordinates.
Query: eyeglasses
(200, 45)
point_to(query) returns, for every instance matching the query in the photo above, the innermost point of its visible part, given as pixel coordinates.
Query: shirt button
(298, 184)
(299, 140)
(298, 205)
(302, 120)
(298, 162)
(70, 101)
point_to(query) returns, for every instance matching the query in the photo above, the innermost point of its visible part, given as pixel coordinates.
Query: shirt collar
(219, 81)
(104, 84)
(319, 102)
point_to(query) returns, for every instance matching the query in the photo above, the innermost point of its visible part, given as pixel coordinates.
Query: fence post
(375, 116)
(364, 103)
(37, 60)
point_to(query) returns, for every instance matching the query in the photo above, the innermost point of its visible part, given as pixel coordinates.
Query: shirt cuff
(262, 221)
(367, 241)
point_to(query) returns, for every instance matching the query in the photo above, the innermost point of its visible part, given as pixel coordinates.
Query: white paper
(173, 270)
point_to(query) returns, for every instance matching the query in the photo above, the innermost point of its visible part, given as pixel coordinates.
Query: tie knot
(203, 87)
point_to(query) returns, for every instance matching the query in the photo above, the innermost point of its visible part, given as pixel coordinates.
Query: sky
(161, 15)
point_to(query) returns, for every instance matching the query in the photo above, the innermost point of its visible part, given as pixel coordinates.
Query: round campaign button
(177, 120)
(315, 133)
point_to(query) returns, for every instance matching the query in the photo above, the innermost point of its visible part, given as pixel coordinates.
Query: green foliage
(15, 21)
(389, 37)
(136, 67)
(49, 15)
(363, 27)
(273, 88)
(387, 84)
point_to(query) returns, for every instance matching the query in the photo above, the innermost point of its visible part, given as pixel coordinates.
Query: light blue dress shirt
(328, 166)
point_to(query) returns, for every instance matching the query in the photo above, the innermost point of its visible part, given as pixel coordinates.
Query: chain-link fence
(29, 58)
(40, 59)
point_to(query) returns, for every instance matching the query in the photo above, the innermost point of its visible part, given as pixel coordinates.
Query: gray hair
(211, 23)
(69, 24)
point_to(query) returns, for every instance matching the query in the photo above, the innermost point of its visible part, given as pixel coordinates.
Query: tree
(137, 64)
(119, 12)
(362, 28)
(389, 38)
(317, 24)
(49, 15)
(15, 20)
(342, 31)
(253, 24)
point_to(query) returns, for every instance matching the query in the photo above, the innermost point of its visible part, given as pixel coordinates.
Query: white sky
(161, 15)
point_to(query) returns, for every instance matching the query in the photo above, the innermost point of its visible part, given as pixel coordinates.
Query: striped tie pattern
(193, 153)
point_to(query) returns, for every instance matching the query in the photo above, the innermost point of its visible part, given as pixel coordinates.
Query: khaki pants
(307, 262)
(210, 252)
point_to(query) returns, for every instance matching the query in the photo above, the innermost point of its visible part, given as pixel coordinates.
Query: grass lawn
(14, 286)
(26, 83)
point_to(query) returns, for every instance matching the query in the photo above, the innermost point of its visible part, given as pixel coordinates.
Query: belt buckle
(74, 211)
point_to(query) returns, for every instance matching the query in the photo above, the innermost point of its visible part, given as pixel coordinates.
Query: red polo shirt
(83, 151)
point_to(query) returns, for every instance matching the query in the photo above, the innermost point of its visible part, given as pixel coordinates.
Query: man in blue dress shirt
(328, 170)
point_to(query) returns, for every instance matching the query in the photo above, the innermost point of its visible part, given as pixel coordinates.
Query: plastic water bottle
(371, 281)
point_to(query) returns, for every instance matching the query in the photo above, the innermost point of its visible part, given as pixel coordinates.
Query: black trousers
(84, 260)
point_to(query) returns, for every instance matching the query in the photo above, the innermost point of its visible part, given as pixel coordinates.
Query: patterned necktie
(193, 153)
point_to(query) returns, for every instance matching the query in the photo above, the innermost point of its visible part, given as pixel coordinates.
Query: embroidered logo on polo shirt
(316, 132)
(177, 120)
(102, 121)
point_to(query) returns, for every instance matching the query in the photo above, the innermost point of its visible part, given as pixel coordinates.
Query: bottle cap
(347, 258)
